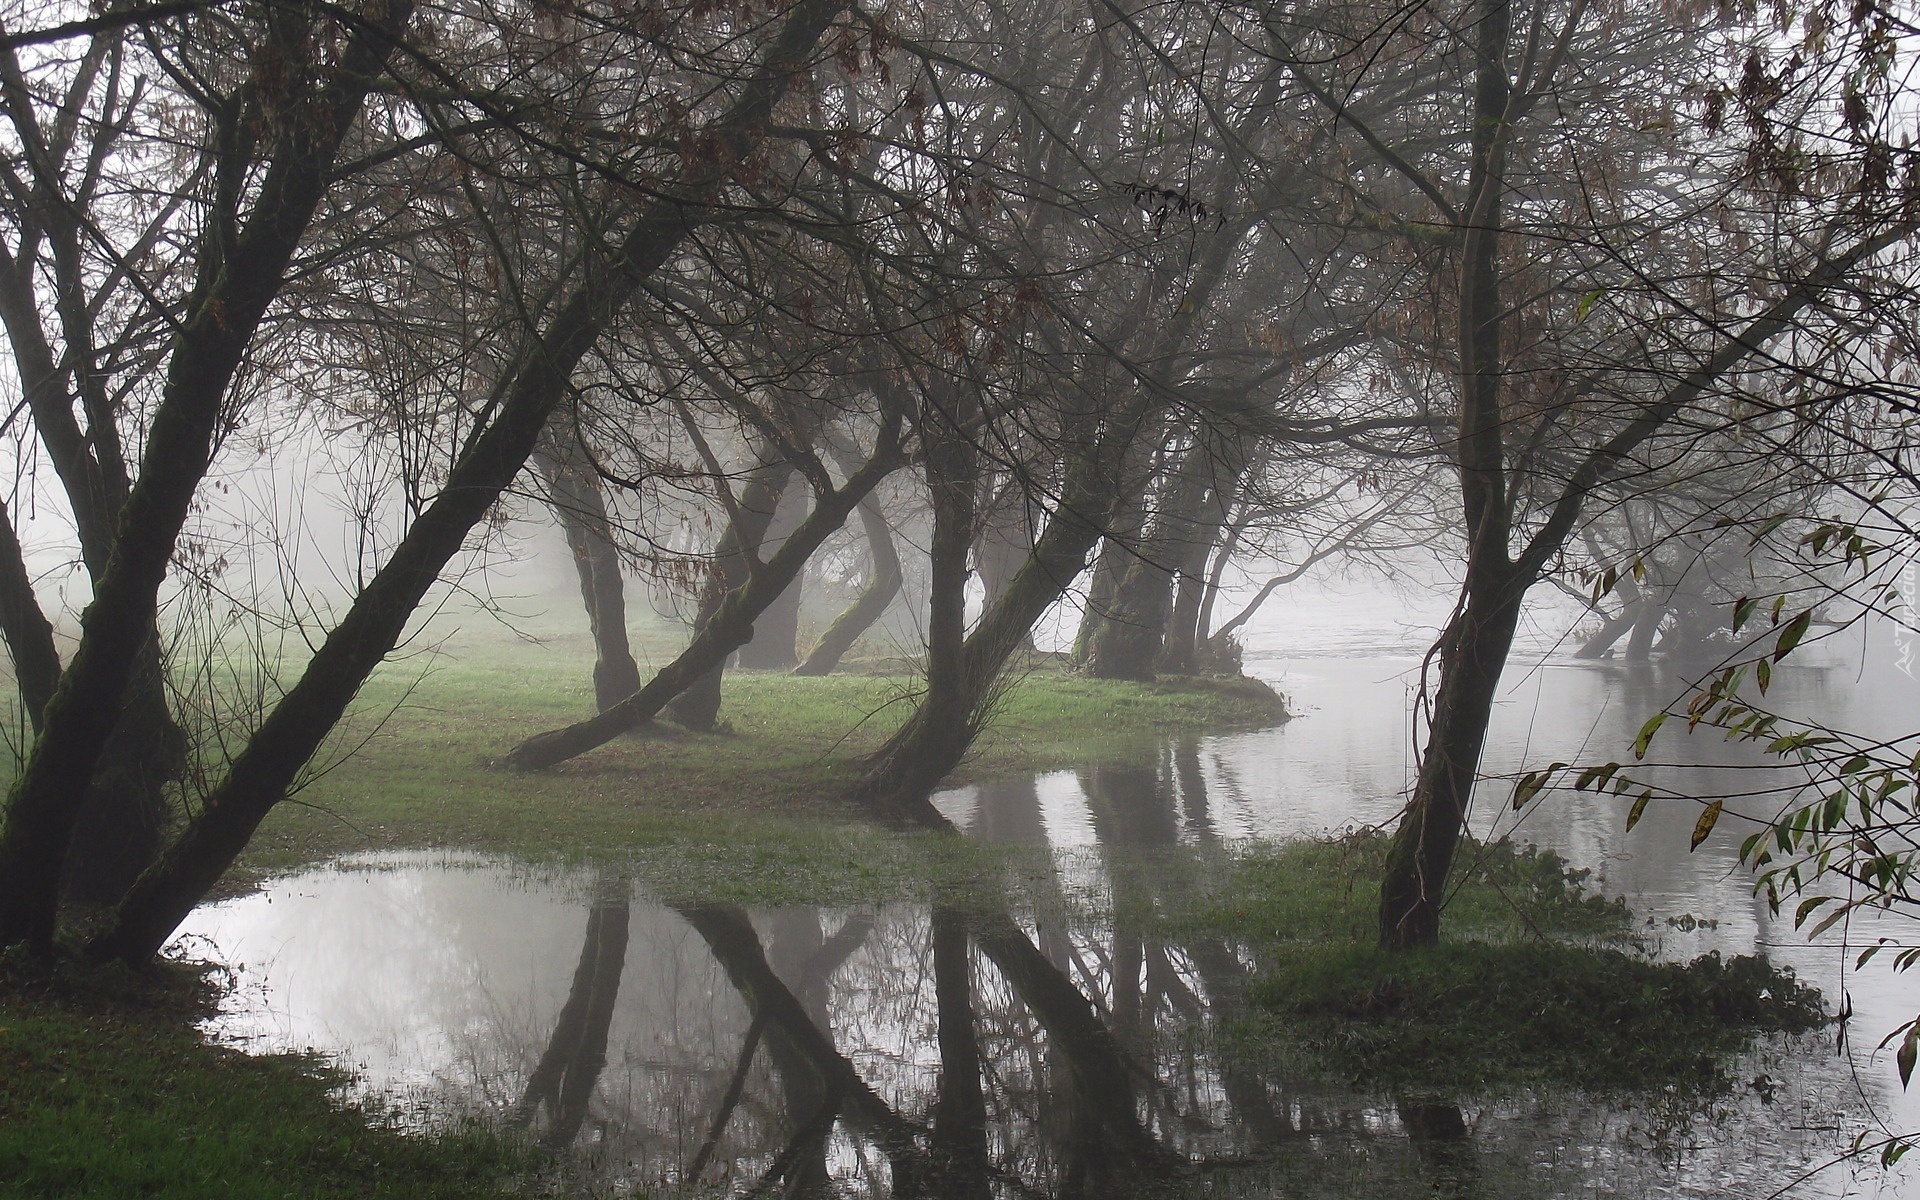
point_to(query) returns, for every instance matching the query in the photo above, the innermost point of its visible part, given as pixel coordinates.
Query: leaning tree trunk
(207, 349)
(260, 776)
(697, 706)
(574, 490)
(726, 631)
(869, 605)
(777, 632)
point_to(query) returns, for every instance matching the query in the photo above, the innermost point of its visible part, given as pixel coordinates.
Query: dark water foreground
(1039, 1046)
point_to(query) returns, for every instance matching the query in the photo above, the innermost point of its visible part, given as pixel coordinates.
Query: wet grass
(1538, 983)
(106, 1091)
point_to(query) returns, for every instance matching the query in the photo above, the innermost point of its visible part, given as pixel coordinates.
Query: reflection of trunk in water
(1440, 1139)
(563, 1081)
(960, 1111)
(736, 945)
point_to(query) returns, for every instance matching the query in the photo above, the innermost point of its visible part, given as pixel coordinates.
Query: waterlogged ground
(1044, 1035)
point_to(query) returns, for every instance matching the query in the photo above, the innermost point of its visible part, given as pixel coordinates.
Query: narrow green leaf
(1791, 635)
(1742, 609)
(1704, 826)
(1639, 809)
(1647, 731)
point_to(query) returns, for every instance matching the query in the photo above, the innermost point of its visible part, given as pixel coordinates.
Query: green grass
(422, 771)
(107, 1092)
(1537, 982)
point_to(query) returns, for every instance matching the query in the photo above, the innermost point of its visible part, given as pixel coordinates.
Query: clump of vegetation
(1540, 984)
(1327, 890)
(107, 1091)
(1473, 1017)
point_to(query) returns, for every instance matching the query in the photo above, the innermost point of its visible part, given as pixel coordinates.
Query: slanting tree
(246, 259)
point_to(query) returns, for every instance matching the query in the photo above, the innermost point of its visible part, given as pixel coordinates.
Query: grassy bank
(107, 1092)
(421, 769)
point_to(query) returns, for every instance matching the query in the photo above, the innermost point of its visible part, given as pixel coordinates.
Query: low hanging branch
(729, 628)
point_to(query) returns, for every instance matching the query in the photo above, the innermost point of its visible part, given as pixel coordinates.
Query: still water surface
(835, 1051)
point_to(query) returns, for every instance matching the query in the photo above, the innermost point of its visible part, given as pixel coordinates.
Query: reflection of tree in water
(563, 1081)
(963, 1051)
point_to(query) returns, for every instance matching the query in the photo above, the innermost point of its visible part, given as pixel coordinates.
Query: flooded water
(1040, 1050)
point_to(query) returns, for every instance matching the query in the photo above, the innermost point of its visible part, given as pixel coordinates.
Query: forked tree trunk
(900, 776)
(578, 497)
(867, 608)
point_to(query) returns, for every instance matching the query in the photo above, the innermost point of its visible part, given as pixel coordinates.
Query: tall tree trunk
(777, 631)
(883, 584)
(698, 705)
(1473, 649)
(575, 491)
(237, 282)
(260, 776)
